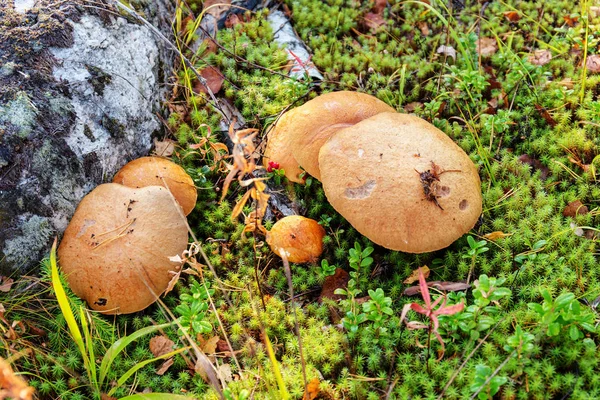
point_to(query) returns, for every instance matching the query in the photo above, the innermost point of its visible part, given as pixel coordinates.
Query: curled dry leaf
(300, 238)
(312, 390)
(339, 280)
(486, 46)
(575, 208)
(373, 21)
(164, 367)
(493, 236)
(214, 80)
(512, 16)
(161, 345)
(540, 57)
(216, 8)
(164, 148)
(593, 63)
(414, 276)
(445, 286)
(448, 51)
(6, 283)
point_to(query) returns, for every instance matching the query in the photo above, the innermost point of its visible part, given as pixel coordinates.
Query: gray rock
(78, 100)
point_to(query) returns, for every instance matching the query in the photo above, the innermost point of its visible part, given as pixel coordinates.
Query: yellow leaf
(414, 276)
(493, 236)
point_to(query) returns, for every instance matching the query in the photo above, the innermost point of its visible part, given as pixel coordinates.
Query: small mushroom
(401, 182)
(157, 171)
(300, 238)
(115, 251)
(299, 134)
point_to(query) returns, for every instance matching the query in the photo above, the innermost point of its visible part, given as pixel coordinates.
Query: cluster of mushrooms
(116, 251)
(397, 179)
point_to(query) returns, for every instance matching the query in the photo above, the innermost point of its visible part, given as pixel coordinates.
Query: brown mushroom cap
(299, 237)
(115, 251)
(278, 148)
(371, 174)
(299, 134)
(156, 171)
(317, 120)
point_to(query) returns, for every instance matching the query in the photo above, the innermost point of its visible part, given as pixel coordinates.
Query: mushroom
(156, 171)
(115, 251)
(300, 238)
(401, 182)
(299, 134)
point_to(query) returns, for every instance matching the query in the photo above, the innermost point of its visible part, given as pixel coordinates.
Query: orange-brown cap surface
(278, 148)
(157, 171)
(318, 119)
(300, 238)
(401, 182)
(115, 251)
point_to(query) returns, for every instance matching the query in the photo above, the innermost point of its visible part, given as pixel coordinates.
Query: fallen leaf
(6, 283)
(216, 8)
(414, 276)
(424, 28)
(571, 20)
(546, 115)
(210, 346)
(540, 57)
(161, 345)
(593, 63)
(373, 21)
(512, 16)
(224, 372)
(411, 107)
(379, 6)
(536, 164)
(445, 286)
(164, 148)
(232, 20)
(493, 236)
(486, 46)
(339, 280)
(214, 80)
(567, 83)
(447, 51)
(164, 366)
(312, 389)
(575, 208)
(12, 385)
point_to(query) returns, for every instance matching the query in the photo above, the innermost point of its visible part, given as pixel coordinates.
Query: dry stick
(489, 379)
(288, 275)
(455, 374)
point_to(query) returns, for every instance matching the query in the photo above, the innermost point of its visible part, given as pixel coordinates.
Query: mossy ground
(501, 108)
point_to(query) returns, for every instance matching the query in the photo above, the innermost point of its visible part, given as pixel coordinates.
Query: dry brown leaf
(574, 209)
(164, 367)
(571, 20)
(339, 280)
(161, 345)
(493, 236)
(312, 389)
(11, 385)
(411, 107)
(104, 396)
(373, 21)
(209, 346)
(486, 46)
(164, 148)
(414, 276)
(224, 372)
(6, 283)
(214, 80)
(216, 8)
(567, 83)
(424, 28)
(593, 63)
(540, 57)
(512, 16)
(233, 20)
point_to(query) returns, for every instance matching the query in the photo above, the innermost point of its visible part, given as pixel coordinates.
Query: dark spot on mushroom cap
(463, 205)
(101, 302)
(443, 191)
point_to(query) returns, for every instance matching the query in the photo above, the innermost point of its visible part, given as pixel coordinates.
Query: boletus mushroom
(157, 171)
(300, 238)
(299, 134)
(401, 182)
(115, 251)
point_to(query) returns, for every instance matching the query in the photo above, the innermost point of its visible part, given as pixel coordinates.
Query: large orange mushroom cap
(401, 182)
(278, 148)
(115, 251)
(157, 171)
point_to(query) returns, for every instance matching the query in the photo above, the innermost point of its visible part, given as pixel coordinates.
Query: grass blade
(120, 345)
(142, 364)
(65, 308)
(155, 396)
(283, 393)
